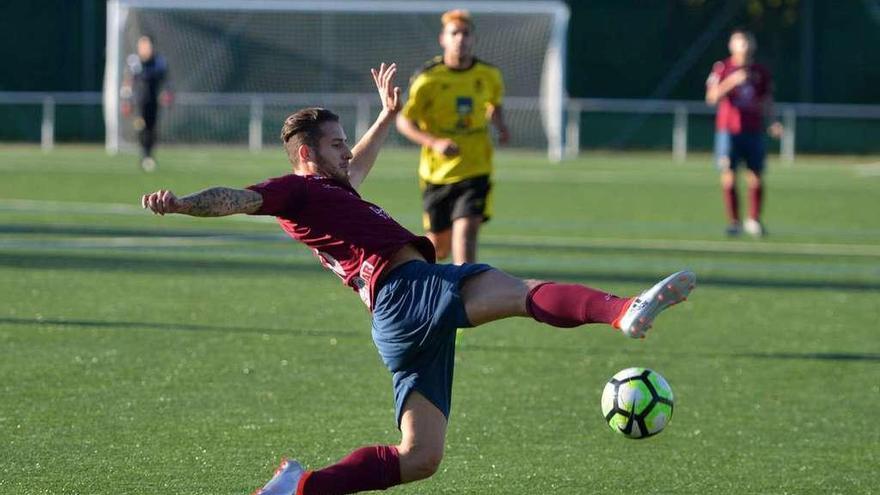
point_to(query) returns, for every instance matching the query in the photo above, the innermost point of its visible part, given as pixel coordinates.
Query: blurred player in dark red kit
(743, 92)
(146, 72)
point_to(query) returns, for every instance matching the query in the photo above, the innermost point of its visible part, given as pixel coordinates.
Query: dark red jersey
(351, 237)
(742, 109)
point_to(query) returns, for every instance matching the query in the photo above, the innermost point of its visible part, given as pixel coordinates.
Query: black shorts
(443, 203)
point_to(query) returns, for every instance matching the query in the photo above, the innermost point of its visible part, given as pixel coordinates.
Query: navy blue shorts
(415, 317)
(746, 146)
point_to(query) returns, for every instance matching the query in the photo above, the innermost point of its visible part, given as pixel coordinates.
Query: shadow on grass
(148, 264)
(187, 327)
(805, 356)
(502, 348)
(820, 356)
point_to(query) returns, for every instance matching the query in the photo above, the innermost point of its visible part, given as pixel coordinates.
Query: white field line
(869, 250)
(691, 245)
(868, 169)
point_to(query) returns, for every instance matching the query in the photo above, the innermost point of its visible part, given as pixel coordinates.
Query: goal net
(238, 67)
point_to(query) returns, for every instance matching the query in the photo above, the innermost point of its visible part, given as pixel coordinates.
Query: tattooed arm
(212, 202)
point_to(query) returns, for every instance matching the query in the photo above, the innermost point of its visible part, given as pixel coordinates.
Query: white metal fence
(364, 106)
(683, 109)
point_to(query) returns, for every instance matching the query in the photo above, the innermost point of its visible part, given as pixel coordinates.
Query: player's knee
(423, 462)
(753, 178)
(428, 464)
(728, 179)
(532, 284)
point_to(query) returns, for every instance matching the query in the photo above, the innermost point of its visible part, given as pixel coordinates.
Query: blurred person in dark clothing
(142, 93)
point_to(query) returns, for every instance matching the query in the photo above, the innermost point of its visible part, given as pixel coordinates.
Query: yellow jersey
(455, 104)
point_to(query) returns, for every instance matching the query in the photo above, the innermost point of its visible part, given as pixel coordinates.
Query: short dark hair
(304, 126)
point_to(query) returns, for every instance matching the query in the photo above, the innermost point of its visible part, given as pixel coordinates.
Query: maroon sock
(368, 468)
(570, 305)
(731, 203)
(756, 198)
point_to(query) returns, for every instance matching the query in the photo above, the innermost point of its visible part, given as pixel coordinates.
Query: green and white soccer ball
(637, 402)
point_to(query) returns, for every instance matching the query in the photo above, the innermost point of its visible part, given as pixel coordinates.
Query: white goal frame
(553, 93)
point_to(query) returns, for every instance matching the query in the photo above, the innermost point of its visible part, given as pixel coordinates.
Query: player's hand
(775, 130)
(736, 78)
(126, 109)
(445, 147)
(389, 94)
(162, 202)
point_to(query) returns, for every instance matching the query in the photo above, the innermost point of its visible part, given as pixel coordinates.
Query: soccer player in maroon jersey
(743, 92)
(416, 305)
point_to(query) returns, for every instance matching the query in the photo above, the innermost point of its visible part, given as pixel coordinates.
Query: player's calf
(571, 305)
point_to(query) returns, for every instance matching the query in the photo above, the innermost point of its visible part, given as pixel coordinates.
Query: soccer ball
(637, 402)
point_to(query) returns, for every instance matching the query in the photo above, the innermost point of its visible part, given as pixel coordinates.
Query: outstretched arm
(367, 149)
(212, 202)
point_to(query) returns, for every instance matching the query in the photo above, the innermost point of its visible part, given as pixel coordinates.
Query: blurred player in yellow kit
(452, 100)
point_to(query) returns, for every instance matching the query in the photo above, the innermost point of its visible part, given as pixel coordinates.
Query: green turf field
(146, 355)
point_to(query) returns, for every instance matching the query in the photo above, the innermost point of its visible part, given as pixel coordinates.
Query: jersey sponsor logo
(464, 106)
(367, 270)
(362, 281)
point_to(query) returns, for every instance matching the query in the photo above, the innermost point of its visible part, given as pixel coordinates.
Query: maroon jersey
(742, 109)
(351, 237)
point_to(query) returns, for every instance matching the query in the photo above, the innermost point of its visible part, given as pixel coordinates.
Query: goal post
(237, 64)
